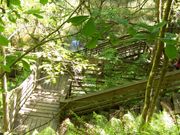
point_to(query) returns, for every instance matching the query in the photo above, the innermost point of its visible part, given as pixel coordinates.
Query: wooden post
(6, 125)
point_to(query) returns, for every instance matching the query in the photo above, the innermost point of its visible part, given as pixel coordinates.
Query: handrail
(113, 96)
(19, 95)
(119, 48)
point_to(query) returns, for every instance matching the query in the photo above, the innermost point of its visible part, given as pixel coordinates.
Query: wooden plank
(176, 102)
(98, 98)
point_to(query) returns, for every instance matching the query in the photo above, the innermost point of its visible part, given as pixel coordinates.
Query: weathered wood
(19, 95)
(176, 101)
(43, 103)
(115, 95)
(121, 49)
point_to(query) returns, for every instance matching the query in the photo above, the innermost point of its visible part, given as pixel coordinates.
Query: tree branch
(43, 41)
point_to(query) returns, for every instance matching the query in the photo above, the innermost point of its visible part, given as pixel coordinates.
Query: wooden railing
(19, 95)
(135, 48)
(114, 96)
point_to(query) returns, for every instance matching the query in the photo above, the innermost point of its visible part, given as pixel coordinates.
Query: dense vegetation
(39, 34)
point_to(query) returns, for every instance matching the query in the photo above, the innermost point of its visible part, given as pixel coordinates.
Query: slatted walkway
(114, 96)
(41, 107)
(36, 105)
(125, 51)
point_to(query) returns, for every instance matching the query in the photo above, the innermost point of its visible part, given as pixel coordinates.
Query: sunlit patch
(167, 119)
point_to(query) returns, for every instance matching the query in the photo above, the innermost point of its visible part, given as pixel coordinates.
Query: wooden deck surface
(41, 108)
(114, 96)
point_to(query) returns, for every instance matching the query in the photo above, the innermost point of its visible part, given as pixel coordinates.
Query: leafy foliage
(3, 41)
(92, 43)
(89, 28)
(43, 2)
(78, 20)
(161, 124)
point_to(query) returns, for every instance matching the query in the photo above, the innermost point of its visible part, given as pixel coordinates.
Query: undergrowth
(129, 124)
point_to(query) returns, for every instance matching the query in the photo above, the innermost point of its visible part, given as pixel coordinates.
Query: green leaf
(114, 40)
(123, 21)
(12, 18)
(131, 30)
(33, 11)
(6, 68)
(15, 2)
(145, 26)
(10, 59)
(38, 16)
(171, 51)
(139, 36)
(1, 59)
(1, 21)
(89, 28)
(43, 2)
(158, 26)
(92, 43)
(151, 37)
(77, 20)
(3, 41)
(1, 28)
(26, 64)
(169, 41)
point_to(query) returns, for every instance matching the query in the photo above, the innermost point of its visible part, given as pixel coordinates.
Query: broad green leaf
(78, 20)
(15, 2)
(17, 14)
(92, 43)
(158, 26)
(171, 35)
(1, 28)
(169, 41)
(12, 18)
(6, 68)
(89, 28)
(10, 59)
(38, 16)
(123, 21)
(145, 26)
(1, 21)
(3, 41)
(151, 37)
(171, 51)
(1, 59)
(114, 40)
(139, 36)
(131, 31)
(43, 2)
(33, 11)
(26, 64)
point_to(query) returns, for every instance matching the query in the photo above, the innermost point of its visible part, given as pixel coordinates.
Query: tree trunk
(6, 125)
(156, 61)
(158, 88)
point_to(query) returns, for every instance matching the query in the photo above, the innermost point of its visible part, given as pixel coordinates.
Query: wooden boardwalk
(36, 105)
(39, 110)
(46, 102)
(114, 96)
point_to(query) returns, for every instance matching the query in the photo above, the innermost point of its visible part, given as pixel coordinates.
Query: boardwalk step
(37, 113)
(43, 104)
(41, 107)
(43, 99)
(37, 95)
(176, 101)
